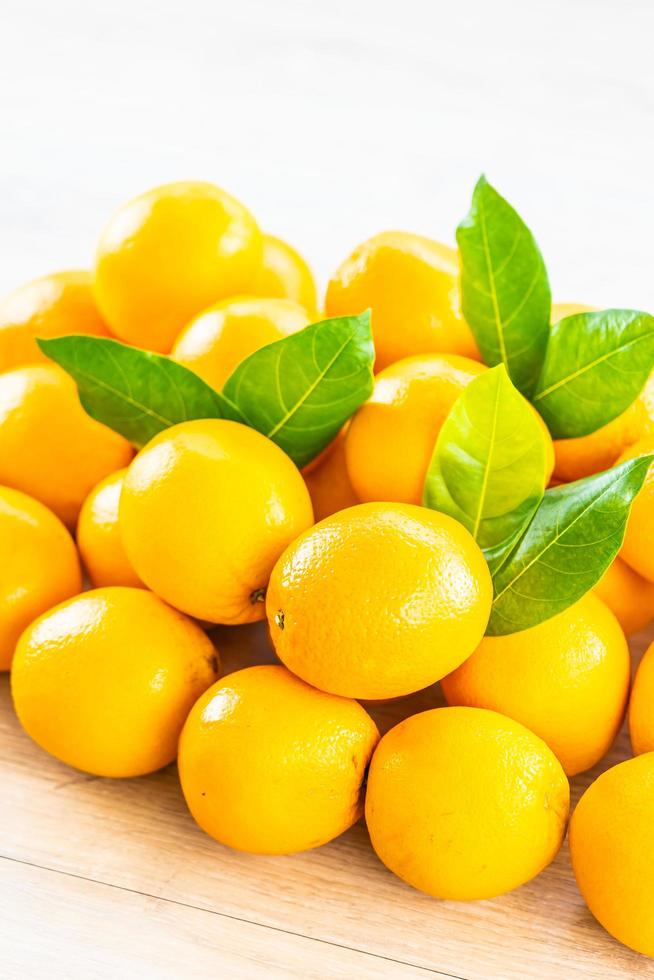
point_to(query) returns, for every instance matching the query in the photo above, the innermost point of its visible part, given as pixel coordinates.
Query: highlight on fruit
(442, 477)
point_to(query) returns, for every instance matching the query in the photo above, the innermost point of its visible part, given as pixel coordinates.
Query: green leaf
(488, 468)
(574, 536)
(596, 365)
(134, 392)
(299, 391)
(504, 287)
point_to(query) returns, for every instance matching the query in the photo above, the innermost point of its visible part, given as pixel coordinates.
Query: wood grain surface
(105, 879)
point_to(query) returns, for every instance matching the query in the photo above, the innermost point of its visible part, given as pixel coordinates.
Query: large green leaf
(595, 366)
(134, 392)
(574, 536)
(300, 390)
(504, 286)
(488, 468)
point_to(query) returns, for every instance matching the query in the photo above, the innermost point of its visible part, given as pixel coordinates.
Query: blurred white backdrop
(334, 120)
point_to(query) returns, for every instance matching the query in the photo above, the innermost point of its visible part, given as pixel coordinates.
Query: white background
(334, 120)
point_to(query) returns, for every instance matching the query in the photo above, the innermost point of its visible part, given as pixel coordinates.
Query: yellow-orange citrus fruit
(270, 765)
(628, 595)
(464, 803)
(566, 679)
(39, 566)
(585, 455)
(221, 337)
(168, 254)
(49, 447)
(411, 285)
(206, 509)
(98, 536)
(285, 274)
(612, 851)
(105, 681)
(391, 439)
(329, 482)
(51, 306)
(641, 705)
(379, 600)
(638, 545)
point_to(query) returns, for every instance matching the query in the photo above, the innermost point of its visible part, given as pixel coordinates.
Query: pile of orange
(368, 595)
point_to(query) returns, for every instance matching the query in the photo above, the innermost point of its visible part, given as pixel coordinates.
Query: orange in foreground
(104, 682)
(464, 803)
(612, 851)
(271, 765)
(39, 566)
(379, 600)
(206, 509)
(52, 306)
(566, 679)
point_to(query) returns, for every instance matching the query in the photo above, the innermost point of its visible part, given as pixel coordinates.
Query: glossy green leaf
(504, 287)
(299, 391)
(595, 366)
(134, 392)
(488, 467)
(574, 536)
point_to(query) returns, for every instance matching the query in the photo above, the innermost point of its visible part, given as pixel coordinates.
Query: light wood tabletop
(102, 878)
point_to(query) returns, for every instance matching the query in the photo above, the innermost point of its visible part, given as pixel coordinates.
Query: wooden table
(112, 879)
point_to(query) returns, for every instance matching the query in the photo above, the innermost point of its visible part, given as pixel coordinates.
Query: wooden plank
(56, 925)
(137, 834)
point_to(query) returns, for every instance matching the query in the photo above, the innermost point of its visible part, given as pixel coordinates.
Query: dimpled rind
(463, 803)
(105, 681)
(379, 600)
(270, 765)
(566, 679)
(39, 566)
(207, 507)
(612, 851)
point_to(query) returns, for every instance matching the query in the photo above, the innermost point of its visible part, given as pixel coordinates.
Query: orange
(206, 509)
(285, 274)
(566, 679)
(411, 285)
(98, 536)
(379, 600)
(39, 566)
(585, 455)
(641, 705)
(49, 447)
(391, 439)
(104, 682)
(272, 766)
(52, 306)
(612, 851)
(628, 595)
(168, 254)
(329, 482)
(638, 545)
(464, 803)
(221, 337)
